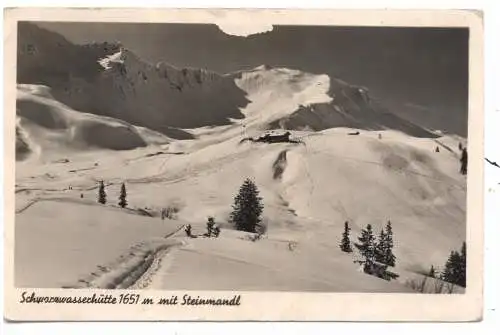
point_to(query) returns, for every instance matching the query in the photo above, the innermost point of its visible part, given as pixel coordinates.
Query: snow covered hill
(46, 127)
(174, 138)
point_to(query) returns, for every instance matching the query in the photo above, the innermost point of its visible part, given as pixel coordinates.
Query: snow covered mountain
(98, 112)
(107, 79)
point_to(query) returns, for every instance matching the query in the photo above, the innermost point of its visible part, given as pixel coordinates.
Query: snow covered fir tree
(384, 246)
(366, 245)
(345, 243)
(376, 254)
(247, 208)
(101, 197)
(123, 197)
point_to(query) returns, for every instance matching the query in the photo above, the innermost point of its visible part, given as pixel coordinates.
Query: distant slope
(295, 100)
(46, 126)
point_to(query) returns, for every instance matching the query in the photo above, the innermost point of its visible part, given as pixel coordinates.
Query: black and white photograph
(172, 156)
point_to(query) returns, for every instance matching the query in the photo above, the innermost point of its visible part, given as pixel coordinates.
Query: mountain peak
(264, 67)
(124, 57)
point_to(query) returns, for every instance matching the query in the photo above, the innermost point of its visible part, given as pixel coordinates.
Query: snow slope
(63, 247)
(333, 178)
(291, 99)
(46, 126)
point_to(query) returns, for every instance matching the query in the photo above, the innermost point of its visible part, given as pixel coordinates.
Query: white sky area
(243, 30)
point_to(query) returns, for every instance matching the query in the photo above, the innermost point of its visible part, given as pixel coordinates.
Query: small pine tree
(102, 193)
(463, 162)
(247, 208)
(389, 257)
(432, 272)
(462, 269)
(437, 149)
(367, 244)
(345, 244)
(123, 197)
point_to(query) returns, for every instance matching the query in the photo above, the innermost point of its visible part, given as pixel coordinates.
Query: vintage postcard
(243, 165)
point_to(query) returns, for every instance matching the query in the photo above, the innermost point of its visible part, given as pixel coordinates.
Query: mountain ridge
(164, 98)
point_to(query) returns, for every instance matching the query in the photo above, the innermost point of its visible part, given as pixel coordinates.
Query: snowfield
(174, 137)
(308, 190)
(65, 246)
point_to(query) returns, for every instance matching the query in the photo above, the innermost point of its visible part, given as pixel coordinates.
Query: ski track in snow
(139, 275)
(150, 277)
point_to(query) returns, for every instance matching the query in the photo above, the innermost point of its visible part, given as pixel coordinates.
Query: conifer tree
(345, 244)
(366, 244)
(455, 270)
(123, 197)
(463, 162)
(102, 193)
(452, 268)
(380, 248)
(389, 257)
(462, 270)
(247, 208)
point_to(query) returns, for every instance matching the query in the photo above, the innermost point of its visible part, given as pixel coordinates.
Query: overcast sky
(421, 70)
